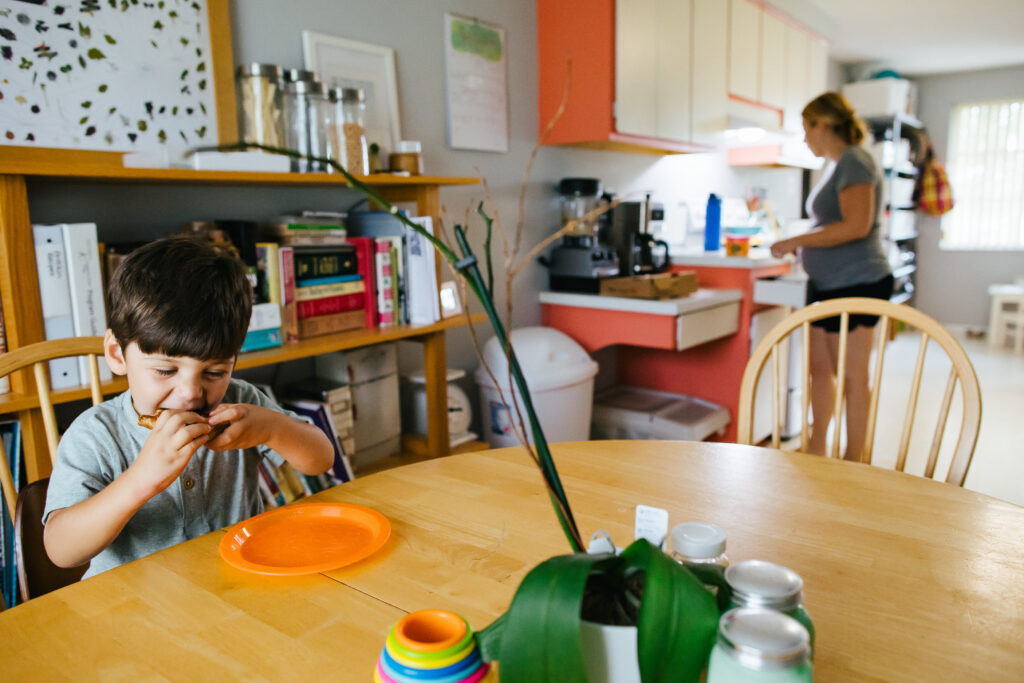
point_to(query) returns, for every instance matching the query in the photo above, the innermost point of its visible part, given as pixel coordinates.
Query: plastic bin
(560, 376)
(633, 413)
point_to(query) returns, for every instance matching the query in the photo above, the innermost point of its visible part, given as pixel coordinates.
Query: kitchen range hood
(754, 136)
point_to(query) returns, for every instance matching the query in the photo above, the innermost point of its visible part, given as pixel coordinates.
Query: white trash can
(560, 376)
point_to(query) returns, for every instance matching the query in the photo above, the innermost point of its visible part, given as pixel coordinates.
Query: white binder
(55, 296)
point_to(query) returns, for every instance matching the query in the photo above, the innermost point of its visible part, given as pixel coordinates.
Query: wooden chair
(36, 574)
(962, 371)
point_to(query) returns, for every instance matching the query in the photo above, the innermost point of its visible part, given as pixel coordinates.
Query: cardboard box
(657, 286)
(359, 365)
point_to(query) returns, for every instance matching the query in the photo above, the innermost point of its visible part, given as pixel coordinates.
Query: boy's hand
(176, 436)
(251, 425)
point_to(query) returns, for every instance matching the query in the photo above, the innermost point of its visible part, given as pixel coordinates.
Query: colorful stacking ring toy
(431, 645)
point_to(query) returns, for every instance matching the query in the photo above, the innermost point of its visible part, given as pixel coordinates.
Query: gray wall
(952, 286)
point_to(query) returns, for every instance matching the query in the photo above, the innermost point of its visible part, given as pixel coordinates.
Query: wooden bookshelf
(19, 285)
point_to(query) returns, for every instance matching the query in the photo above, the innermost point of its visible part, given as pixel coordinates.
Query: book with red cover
(331, 304)
(366, 261)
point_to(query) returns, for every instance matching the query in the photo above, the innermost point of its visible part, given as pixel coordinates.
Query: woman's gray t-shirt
(216, 489)
(861, 261)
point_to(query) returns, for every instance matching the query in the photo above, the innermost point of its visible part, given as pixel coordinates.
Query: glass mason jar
(760, 646)
(260, 103)
(353, 126)
(756, 583)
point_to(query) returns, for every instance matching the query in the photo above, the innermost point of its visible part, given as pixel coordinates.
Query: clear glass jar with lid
(296, 121)
(760, 646)
(260, 103)
(756, 583)
(699, 543)
(353, 127)
(321, 125)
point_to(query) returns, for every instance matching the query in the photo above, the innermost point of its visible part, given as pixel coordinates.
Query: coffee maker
(631, 231)
(581, 259)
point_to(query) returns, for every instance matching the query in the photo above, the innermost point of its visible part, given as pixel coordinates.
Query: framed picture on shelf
(450, 300)
(128, 78)
(344, 63)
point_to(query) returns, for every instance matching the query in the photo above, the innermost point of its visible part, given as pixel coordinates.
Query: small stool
(1007, 311)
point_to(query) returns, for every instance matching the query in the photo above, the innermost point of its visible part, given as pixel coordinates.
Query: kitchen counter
(698, 301)
(760, 257)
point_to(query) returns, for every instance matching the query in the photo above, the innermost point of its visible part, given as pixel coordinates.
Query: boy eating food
(177, 310)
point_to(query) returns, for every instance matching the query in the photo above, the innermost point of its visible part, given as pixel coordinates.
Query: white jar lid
(698, 539)
(408, 147)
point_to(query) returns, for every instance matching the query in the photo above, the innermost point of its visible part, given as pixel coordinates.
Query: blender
(580, 260)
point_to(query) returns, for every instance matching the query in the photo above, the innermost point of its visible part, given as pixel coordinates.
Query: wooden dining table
(906, 579)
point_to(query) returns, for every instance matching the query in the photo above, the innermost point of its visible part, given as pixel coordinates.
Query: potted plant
(539, 637)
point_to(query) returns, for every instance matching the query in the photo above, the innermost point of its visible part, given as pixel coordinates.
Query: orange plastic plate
(305, 539)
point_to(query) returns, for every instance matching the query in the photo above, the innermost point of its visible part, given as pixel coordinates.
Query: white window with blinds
(986, 173)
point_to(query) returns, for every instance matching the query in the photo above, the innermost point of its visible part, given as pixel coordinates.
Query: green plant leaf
(713, 575)
(540, 633)
(678, 618)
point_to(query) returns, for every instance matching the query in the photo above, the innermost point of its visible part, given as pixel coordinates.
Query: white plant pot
(609, 653)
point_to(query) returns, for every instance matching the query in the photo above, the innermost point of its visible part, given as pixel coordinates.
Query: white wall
(952, 285)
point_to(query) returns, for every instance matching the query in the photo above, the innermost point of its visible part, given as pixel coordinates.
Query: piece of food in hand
(149, 422)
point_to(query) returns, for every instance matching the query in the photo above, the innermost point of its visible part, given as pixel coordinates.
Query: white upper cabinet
(674, 70)
(711, 55)
(744, 49)
(773, 61)
(636, 67)
(817, 66)
(797, 78)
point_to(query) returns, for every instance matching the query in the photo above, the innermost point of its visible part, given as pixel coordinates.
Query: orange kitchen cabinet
(577, 45)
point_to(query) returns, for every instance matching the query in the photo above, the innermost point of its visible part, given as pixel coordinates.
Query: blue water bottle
(713, 223)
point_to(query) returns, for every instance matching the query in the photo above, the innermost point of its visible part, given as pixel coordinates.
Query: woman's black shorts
(873, 290)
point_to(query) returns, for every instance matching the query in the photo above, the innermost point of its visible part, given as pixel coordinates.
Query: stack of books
(330, 292)
(336, 397)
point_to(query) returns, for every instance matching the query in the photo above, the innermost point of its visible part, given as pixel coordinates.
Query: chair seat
(37, 575)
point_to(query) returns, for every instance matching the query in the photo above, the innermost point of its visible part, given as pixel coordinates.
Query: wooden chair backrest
(962, 371)
(38, 356)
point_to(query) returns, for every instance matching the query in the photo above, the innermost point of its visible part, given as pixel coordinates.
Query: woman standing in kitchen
(843, 256)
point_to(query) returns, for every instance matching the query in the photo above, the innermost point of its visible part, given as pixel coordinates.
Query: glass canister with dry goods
(353, 128)
(260, 104)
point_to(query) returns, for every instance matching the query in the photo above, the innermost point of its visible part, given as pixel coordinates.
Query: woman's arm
(857, 207)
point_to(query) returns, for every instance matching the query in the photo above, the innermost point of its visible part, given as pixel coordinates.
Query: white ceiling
(918, 37)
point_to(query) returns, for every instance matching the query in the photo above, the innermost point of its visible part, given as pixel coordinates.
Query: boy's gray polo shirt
(216, 489)
(858, 262)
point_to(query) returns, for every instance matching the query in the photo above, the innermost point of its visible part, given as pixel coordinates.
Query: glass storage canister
(336, 134)
(353, 127)
(762, 646)
(260, 101)
(321, 125)
(296, 121)
(756, 583)
(407, 157)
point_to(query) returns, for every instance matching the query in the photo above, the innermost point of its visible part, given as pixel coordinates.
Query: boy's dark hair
(180, 297)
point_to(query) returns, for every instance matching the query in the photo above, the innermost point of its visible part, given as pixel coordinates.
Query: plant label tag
(652, 524)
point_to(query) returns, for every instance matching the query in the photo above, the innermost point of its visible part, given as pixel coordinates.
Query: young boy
(178, 311)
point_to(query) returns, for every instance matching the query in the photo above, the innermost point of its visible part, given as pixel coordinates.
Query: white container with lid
(623, 412)
(699, 543)
(559, 375)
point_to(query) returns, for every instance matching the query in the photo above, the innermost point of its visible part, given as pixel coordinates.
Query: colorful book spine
(261, 339)
(327, 280)
(268, 268)
(324, 262)
(385, 289)
(365, 250)
(331, 304)
(329, 324)
(317, 412)
(310, 292)
(272, 495)
(289, 310)
(55, 300)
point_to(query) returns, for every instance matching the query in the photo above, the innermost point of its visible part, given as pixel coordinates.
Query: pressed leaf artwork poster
(118, 75)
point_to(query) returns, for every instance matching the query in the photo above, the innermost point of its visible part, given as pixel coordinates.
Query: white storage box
(560, 376)
(881, 96)
(633, 413)
(359, 365)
